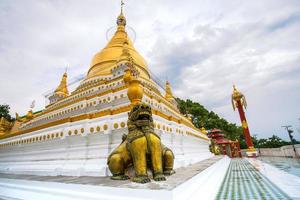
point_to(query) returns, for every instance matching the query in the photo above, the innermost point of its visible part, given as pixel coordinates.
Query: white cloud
(203, 46)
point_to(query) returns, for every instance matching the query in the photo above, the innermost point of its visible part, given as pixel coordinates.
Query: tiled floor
(243, 181)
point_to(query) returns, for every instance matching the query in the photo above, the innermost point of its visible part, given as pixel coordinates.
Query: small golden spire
(17, 117)
(62, 89)
(169, 94)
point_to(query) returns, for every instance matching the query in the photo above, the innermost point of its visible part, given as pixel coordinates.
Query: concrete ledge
(205, 184)
(288, 183)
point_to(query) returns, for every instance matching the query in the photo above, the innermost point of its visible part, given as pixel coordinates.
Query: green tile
(243, 181)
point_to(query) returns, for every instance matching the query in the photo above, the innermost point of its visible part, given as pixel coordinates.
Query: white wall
(285, 151)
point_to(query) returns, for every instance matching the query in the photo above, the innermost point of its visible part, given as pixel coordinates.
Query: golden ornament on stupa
(135, 90)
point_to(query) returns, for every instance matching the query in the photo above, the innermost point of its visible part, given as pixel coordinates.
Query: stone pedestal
(251, 153)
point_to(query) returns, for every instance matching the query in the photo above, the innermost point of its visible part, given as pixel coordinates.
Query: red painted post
(244, 124)
(238, 101)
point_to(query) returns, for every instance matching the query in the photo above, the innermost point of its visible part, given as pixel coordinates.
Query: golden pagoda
(79, 129)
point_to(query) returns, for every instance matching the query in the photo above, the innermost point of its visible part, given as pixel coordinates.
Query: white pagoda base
(85, 154)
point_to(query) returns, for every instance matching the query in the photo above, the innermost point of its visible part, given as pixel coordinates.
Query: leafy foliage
(271, 142)
(4, 112)
(202, 117)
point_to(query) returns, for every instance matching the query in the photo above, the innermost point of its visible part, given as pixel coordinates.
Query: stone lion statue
(141, 148)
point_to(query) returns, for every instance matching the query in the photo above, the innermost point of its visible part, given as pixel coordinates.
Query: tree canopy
(209, 120)
(4, 112)
(271, 142)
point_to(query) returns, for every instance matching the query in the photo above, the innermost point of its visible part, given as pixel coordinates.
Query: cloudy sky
(201, 46)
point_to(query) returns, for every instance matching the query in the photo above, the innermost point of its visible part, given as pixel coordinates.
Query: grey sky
(202, 47)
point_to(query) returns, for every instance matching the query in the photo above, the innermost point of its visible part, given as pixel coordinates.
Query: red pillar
(244, 124)
(238, 101)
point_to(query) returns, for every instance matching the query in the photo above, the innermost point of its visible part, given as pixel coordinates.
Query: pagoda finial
(122, 4)
(121, 21)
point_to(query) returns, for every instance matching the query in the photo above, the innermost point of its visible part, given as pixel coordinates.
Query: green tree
(209, 119)
(4, 112)
(272, 142)
(201, 116)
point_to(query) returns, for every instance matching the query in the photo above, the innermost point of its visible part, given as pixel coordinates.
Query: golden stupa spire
(62, 89)
(169, 94)
(105, 60)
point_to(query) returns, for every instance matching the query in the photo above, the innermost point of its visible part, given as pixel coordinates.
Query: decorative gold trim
(96, 115)
(116, 125)
(85, 98)
(244, 124)
(87, 88)
(98, 129)
(123, 124)
(105, 127)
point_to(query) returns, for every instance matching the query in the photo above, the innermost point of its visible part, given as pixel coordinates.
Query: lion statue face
(140, 115)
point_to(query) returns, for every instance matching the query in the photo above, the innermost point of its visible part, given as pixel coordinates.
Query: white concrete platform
(202, 179)
(288, 183)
